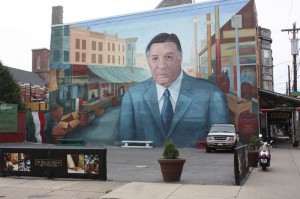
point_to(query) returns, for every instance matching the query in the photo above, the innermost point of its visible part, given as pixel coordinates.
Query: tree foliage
(9, 88)
(170, 151)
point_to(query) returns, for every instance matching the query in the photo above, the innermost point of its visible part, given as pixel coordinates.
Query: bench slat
(132, 141)
(140, 147)
(127, 142)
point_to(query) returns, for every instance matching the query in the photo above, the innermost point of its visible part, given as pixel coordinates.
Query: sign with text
(8, 118)
(241, 164)
(53, 161)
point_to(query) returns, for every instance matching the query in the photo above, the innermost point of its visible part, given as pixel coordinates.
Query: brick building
(40, 62)
(33, 87)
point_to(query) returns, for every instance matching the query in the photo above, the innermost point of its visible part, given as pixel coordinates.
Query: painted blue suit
(200, 104)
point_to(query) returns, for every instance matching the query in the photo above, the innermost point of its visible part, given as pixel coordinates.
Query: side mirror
(237, 132)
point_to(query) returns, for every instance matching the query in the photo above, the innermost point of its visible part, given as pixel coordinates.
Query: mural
(95, 63)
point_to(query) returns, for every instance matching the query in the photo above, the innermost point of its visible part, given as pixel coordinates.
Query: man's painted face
(165, 63)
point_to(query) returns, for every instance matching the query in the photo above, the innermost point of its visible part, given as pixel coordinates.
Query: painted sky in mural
(180, 21)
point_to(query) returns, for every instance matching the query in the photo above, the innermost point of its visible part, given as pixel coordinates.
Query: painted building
(93, 63)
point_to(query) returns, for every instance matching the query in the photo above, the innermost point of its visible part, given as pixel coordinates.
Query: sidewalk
(281, 180)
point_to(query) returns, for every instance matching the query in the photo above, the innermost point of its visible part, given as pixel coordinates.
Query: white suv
(222, 136)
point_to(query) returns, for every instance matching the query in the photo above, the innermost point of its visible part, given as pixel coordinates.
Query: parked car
(222, 136)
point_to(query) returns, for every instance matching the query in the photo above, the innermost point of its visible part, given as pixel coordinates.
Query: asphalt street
(141, 165)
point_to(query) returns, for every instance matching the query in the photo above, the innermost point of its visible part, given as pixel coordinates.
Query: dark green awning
(120, 74)
(270, 99)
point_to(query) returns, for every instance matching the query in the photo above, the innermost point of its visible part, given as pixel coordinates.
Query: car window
(222, 128)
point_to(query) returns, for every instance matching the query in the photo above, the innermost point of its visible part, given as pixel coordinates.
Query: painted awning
(120, 74)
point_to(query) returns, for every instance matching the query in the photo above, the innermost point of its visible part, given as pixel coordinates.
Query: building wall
(265, 58)
(40, 62)
(169, 3)
(209, 52)
(34, 93)
(57, 15)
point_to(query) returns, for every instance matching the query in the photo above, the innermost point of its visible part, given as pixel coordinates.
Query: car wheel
(232, 149)
(208, 150)
(234, 146)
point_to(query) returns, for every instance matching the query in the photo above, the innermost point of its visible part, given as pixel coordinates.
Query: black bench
(70, 142)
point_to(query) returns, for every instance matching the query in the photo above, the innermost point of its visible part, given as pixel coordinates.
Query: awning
(120, 74)
(277, 101)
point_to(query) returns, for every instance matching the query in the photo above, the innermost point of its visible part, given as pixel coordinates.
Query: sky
(26, 25)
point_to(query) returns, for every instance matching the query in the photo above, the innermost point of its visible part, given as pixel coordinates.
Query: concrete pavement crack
(294, 162)
(174, 191)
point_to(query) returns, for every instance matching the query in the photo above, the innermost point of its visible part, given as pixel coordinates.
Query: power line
(281, 76)
(280, 83)
(280, 88)
(290, 13)
(282, 63)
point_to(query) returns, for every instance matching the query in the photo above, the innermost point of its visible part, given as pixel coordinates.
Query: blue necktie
(167, 112)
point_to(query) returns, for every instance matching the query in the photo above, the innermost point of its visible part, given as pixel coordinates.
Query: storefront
(279, 116)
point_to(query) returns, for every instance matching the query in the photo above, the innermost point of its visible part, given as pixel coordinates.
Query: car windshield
(229, 129)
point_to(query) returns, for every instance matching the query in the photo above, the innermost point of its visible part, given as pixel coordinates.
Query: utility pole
(294, 48)
(289, 80)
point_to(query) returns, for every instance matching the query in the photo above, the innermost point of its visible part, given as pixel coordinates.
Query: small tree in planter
(171, 165)
(170, 151)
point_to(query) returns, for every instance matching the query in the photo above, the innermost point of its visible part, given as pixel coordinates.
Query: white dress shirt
(174, 92)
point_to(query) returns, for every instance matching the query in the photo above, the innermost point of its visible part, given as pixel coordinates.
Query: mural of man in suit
(184, 113)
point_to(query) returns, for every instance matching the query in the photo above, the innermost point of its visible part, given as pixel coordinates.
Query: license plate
(263, 160)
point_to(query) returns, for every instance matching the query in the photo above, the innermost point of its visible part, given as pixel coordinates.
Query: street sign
(236, 21)
(284, 108)
(8, 118)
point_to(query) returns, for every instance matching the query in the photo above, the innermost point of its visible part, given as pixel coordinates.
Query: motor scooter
(264, 155)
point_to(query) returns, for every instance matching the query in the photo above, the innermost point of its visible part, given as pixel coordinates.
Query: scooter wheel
(264, 168)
